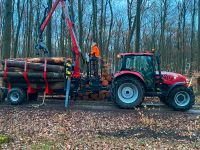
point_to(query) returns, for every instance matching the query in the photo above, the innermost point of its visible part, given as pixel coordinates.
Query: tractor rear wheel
(16, 96)
(129, 92)
(181, 98)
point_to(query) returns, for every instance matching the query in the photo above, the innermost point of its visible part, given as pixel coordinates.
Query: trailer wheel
(181, 98)
(16, 96)
(33, 97)
(129, 92)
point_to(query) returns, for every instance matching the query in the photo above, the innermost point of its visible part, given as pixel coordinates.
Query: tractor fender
(129, 73)
(174, 86)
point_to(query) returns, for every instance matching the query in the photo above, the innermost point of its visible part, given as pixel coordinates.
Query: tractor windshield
(141, 64)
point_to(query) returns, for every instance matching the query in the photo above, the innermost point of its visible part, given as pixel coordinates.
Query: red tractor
(139, 76)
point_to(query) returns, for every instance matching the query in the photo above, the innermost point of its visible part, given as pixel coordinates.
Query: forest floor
(54, 127)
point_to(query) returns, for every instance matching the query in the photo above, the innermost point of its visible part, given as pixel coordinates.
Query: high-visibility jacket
(95, 51)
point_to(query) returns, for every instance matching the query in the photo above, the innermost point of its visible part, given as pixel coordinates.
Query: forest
(169, 26)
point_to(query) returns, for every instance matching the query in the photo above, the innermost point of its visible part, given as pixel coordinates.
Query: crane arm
(75, 46)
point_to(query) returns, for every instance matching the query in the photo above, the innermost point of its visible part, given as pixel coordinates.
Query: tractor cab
(142, 64)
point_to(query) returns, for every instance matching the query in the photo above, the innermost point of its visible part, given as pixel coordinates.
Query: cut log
(105, 82)
(109, 78)
(22, 80)
(35, 66)
(34, 75)
(52, 60)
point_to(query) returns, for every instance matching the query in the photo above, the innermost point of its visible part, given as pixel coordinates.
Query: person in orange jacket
(94, 58)
(95, 50)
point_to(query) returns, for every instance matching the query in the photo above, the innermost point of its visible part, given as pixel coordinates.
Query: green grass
(4, 139)
(44, 145)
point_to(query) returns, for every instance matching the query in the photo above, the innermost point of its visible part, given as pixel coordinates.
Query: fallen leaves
(81, 129)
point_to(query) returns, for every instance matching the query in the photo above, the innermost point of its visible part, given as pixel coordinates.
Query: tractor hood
(172, 78)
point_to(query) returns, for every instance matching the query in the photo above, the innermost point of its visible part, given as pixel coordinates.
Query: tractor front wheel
(129, 92)
(181, 98)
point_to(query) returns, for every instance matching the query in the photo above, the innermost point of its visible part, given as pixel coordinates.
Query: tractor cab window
(141, 64)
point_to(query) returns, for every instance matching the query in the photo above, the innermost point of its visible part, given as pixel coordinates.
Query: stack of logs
(17, 70)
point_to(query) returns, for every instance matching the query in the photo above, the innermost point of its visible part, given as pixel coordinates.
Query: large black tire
(129, 92)
(181, 98)
(33, 97)
(16, 96)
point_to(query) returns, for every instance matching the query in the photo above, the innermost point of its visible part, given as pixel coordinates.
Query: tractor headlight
(118, 56)
(187, 81)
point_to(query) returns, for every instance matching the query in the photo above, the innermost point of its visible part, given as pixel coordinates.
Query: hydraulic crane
(75, 47)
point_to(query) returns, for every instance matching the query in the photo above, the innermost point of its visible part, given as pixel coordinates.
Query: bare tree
(94, 18)
(20, 14)
(163, 26)
(192, 37)
(110, 28)
(80, 22)
(6, 41)
(49, 31)
(137, 39)
(131, 24)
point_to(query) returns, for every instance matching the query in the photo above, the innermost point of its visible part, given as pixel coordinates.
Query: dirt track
(52, 126)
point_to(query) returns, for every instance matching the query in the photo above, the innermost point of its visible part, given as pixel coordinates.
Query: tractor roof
(137, 54)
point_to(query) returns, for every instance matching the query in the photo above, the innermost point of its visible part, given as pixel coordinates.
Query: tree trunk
(49, 32)
(131, 25)
(35, 66)
(33, 75)
(192, 38)
(101, 29)
(52, 60)
(18, 26)
(6, 42)
(163, 28)
(94, 19)
(137, 40)
(80, 21)
(183, 35)
(110, 29)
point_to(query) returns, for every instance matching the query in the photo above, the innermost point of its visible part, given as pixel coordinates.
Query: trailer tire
(33, 97)
(181, 98)
(16, 96)
(129, 92)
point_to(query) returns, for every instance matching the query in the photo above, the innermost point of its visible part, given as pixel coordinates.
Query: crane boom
(75, 47)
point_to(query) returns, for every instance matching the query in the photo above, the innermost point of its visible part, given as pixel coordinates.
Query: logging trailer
(139, 75)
